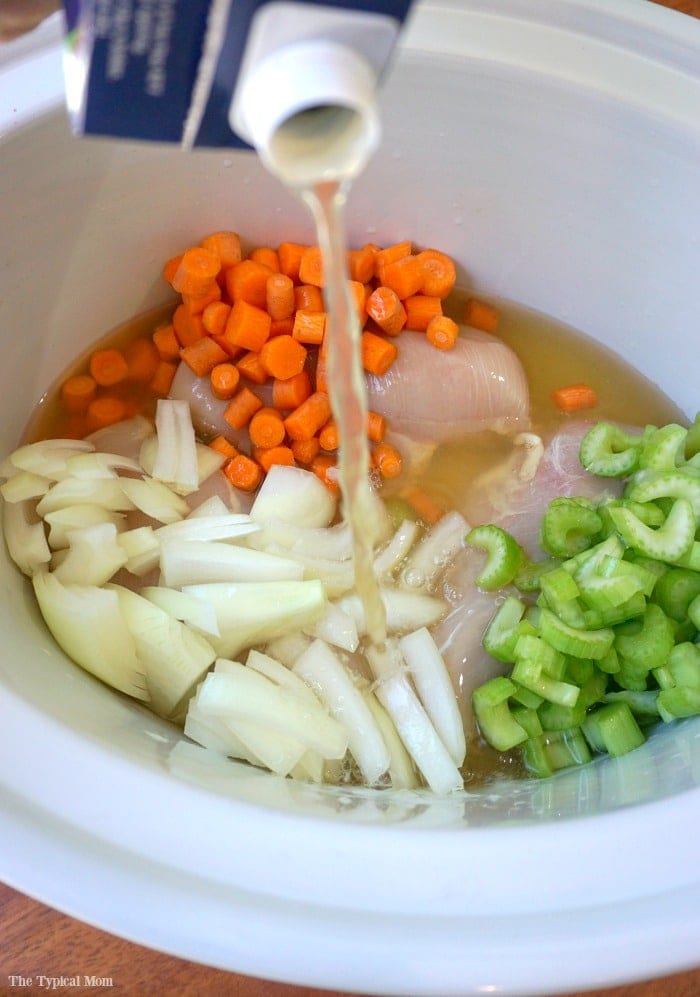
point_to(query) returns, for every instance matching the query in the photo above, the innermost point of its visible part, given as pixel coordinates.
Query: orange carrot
(77, 392)
(105, 411)
(202, 356)
(188, 327)
(242, 408)
(420, 309)
(247, 281)
(289, 255)
(384, 306)
(247, 326)
(283, 357)
(328, 436)
(308, 298)
(290, 393)
(324, 466)
(321, 375)
(266, 428)
(378, 354)
(387, 460)
(243, 472)
(439, 274)
(279, 299)
(376, 426)
(142, 358)
(249, 366)
(311, 267)
(426, 507)
(309, 327)
(361, 263)
(405, 276)
(163, 378)
(166, 342)
(267, 256)
(480, 315)
(224, 379)
(197, 271)
(358, 293)
(215, 316)
(170, 269)
(274, 455)
(196, 303)
(281, 327)
(226, 246)
(223, 446)
(442, 332)
(574, 397)
(305, 450)
(108, 367)
(389, 255)
(306, 420)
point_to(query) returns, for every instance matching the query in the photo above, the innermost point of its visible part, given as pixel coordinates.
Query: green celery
(502, 633)
(613, 728)
(555, 750)
(669, 542)
(569, 526)
(643, 704)
(663, 448)
(646, 643)
(528, 719)
(570, 640)
(646, 486)
(675, 590)
(492, 711)
(528, 576)
(504, 556)
(610, 452)
(679, 702)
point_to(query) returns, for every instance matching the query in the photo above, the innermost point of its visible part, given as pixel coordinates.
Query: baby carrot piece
(308, 298)
(378, 354)
(274, 455)
(290, 393)
(306, 420)
(387, 460)
(376, 426)
(242, 408)
(202, 356)
(215, 316)
(324, 466)
(197, 271)
(428, 510)
(361, 264)
(442, 332)
(108, 367)
(243, 472)
(574, 397)
(105, 411)
(420, 309)
(309, 327)
(142, 359)
(188, 327)
(170, 268)
(321, 375)
(289, 255)
(229, 349)
(389, 255)
(305, 450)
(247, 281)
(480, 315)
(358, 293)
(77, 392)
(281, 327)
(166, 342)
(328, 436)
(405, 276)
(311, 267)
(279, 296)
(267, 256)
(283, 357)
(385, 307)
(247, 326)
(266, 428)
(439, 274)
(250, 367)
(224, 379)
(222, 446)
(196, 303)
(163, 378)
(226, 246)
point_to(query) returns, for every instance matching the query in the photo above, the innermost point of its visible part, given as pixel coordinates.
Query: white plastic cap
(309, 109)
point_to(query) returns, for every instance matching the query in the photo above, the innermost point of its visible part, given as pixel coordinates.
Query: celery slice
(613, 728)
(504, 556)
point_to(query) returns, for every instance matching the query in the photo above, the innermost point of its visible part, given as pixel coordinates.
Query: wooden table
(37, 941)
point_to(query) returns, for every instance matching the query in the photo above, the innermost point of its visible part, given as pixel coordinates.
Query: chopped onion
(124, 437)
(141, 548)
(154, 498)
(388, 559)
(24, 485)
(73, 517)
(101, 465)
(25, 538)
(287, 647)
(402, 771)
(110, 493)
(437, 548)
(176, 457)
(194, 562)
(336, 627)
(49, 458)
(196, 613)
(332, 542)
(229, 526)
(277, 673)
(405, 610)
(93, 556)
(213, 733)
(337, 576)
(295, 496)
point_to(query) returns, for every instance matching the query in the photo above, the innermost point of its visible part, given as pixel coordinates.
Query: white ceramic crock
(554, 150)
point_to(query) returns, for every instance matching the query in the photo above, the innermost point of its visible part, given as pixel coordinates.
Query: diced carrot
(305, 450)
(389, 255)
(420, 309)
(309, 327)
(574, 397)
(247, 281)
(225, 245)
(439, 274)
(224, 379)
(311, 266)
(321, 375)
(361, 263)
(266, 457)
(77, 392)
(324, 466)
(426, 507)
(229, 349)
(480, 315)
(283, 357)
(290, 393)
(188, 327)
(197, 271)
(202, 356)
(247, 326)
(387, 460)
(306, 420)
(266, 428)
(224, 447)
(170, 268)
(166, 342)
(250, 367)
(442, 332)
(289, 255)
(281, 327)
(358, 293)
(328, 436)
(196, 303)
(267, 256)
(242, 408)
(308, 298)
(142, 359)
(378, 354)
(243, 472)
(279, 299)
(108, 367)
(385, 307)
(376, 426)
(105, 411)
(163, 378)
(215, 316)
(405, 276)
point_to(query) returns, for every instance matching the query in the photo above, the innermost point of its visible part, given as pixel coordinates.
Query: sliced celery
(555, 750)
(646, 643)
(613, 728)
(504, 556)
(569, 526)
(493, 715)
(668, 542)
(608, 451)
(570, 640)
